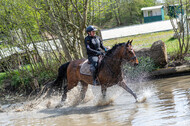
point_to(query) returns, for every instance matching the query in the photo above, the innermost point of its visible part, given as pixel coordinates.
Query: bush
(22, 80)
(2, 77)
(146, 65)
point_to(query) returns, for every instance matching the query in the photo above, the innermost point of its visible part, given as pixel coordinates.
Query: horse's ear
(131, 41)
(127, 44)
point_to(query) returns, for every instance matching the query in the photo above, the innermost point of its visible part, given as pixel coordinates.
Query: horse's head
(129, 54)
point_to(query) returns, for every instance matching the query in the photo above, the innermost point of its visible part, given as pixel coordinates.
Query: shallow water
(167, 103)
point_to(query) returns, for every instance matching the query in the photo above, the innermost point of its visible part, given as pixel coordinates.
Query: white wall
(155, 12)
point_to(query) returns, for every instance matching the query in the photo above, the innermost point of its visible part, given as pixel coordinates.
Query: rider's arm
(101, 45)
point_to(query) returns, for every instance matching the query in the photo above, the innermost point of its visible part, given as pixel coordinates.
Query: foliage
(39, 35)
(111, 13)
(187, 58)
(22, 80)
(2, 77)
(146, 65)
(16, 15)
(180, 24)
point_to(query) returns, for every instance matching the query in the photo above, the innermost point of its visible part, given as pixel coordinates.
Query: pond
(167, 103)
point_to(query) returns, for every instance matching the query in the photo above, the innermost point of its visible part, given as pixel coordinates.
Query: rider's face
(92, 33)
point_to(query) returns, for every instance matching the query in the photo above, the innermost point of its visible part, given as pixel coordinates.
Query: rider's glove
(106, 50)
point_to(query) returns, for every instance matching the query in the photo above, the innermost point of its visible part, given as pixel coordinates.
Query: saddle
(85, 66)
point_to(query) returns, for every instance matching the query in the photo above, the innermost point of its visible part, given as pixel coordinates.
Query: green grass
(187, 58)
(146, 40)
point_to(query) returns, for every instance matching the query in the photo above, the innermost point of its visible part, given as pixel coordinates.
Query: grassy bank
(146, 40)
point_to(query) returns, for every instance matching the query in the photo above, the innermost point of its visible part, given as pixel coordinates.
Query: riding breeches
(94, 63)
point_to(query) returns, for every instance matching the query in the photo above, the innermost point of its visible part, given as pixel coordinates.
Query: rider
(93, 44)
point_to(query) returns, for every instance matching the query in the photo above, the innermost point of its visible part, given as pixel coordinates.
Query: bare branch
(80, 15)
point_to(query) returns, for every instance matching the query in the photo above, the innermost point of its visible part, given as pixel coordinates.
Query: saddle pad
(85, 68)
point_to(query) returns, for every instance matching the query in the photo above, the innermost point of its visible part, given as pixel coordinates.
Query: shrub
(22, 80)
(146, 65)
(2, 77)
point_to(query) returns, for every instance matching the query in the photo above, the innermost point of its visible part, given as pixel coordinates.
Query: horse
(109, 74)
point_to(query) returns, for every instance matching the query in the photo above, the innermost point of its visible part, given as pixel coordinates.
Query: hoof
(104, 96)
(137, 101)
(141, 100)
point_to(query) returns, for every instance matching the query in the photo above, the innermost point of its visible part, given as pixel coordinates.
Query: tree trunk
(65, 49)
(82, 44)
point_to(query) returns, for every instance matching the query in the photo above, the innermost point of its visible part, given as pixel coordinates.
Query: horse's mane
(113, 49)
(110, 53)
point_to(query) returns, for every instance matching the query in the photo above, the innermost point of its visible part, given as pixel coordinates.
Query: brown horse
(109, 71)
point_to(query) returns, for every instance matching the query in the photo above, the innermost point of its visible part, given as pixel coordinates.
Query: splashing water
(104, 101)
(111, 94)
(145, 93)
(93, 98)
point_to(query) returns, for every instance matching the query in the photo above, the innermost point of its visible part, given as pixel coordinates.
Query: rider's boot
(94, 75)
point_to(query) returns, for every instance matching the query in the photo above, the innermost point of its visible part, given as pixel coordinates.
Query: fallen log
(170, 71)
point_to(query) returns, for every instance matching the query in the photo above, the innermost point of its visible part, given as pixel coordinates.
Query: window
(149, 13)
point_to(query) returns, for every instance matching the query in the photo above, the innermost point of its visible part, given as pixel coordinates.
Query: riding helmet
(90, 28)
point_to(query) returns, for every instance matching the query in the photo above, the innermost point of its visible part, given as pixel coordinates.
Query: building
(174, 10)
(154, 13)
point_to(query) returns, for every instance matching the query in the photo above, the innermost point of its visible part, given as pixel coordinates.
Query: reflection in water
(168, 104)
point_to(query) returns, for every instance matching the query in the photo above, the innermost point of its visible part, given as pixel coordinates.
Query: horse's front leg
(83, 90)
(103, 89)
(124, 86)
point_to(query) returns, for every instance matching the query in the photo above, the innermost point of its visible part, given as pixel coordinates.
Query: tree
(180, 24)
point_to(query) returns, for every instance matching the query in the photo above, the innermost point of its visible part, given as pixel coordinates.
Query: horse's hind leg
(67, 87)
(123, 85)
(70, 85)
(103, 89)
(83, 90)
(64, 96)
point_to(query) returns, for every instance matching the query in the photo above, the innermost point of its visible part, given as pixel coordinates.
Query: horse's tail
(62, 75)
(58, 83)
